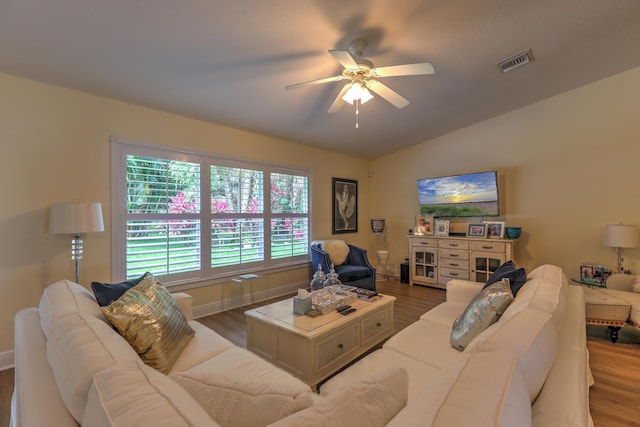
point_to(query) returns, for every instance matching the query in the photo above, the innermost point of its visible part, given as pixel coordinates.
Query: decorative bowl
(513, 232)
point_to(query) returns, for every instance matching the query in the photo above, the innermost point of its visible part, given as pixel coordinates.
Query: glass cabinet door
(423, 264)
(484, 264)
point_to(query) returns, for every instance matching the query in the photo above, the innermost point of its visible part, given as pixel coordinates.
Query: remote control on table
(343, 308)
(347, 311)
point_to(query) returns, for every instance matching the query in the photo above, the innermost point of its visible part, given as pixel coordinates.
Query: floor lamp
(620, 236)
(76, 219)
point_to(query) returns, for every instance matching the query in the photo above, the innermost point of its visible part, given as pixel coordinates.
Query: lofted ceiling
(228, 61)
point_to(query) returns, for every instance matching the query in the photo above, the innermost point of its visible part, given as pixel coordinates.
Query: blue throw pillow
(106, 293)
(517, 276)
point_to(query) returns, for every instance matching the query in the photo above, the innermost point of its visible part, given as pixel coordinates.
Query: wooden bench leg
(613, 333)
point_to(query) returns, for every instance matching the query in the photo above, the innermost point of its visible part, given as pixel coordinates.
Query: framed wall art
(495, 229)
(345, 206)
(476, 230)
(441, 227)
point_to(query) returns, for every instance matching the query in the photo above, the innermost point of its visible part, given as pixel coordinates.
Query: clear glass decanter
(318, 279)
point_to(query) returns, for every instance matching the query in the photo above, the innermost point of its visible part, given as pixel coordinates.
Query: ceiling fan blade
(315, 82)
(345, 59)
(403, 70)
(387, 93)
(339, 102)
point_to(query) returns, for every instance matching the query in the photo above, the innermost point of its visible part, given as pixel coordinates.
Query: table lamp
(620, 236)
(75, 219)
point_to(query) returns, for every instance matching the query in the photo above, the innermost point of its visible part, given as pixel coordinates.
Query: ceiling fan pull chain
(357, 102)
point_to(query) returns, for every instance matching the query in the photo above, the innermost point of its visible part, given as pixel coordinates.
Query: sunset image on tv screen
(474, 194)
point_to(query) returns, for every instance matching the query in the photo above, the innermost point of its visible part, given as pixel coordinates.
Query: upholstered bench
(604, 309)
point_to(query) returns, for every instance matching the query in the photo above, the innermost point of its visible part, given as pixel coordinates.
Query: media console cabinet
(434, 260)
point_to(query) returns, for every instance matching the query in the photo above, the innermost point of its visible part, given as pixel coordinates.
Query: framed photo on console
(424, 225)
(441, 227)
(495, 229)
(476, 230)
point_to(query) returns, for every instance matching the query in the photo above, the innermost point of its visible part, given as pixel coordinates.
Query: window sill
(183, 285)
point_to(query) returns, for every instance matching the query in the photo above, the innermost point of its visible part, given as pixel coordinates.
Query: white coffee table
(314, 348)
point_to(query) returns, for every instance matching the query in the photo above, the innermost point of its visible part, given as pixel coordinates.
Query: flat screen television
(471, 194)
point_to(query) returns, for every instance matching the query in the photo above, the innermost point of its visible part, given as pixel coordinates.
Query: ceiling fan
(363, 77)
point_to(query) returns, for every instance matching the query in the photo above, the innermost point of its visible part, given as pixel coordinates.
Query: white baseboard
(240, 301)
(6, 360)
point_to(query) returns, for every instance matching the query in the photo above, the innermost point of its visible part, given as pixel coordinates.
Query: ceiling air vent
(515, 61)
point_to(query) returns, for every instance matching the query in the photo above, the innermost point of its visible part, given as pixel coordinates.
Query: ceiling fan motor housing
(357, 47)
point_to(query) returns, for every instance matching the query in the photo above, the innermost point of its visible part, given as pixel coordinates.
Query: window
(186, 216)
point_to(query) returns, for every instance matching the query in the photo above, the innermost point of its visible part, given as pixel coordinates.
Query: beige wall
(567, 166)
(55, 147)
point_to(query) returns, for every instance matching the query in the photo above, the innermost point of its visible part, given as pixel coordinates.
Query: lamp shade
(76, 218)
(620, 236)
(357, 91)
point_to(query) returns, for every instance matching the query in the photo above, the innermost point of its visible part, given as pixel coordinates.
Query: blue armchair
(350, 262)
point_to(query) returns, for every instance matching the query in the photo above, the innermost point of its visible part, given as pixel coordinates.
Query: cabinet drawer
(336, 345)
(263, 339)
(488, 246)
(375, 324)
(430, 243)
(453, 244)
(453, 254)
(462, 264)
(454, 274)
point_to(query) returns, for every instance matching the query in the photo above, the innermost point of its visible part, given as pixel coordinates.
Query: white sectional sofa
(72, 368)
(529, 368)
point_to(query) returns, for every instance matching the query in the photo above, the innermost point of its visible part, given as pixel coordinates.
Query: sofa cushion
(149, 318)
(445, 313)
(370, 402)
(338, 250)
(351, 273)
(133, 394)
(544, 294)
(532, 337)
(106, 293)
(63, 298)
(551, 273)
(425, 341)
(78, 347)
(517, 276)
(483, 311)
(420, 374)
(482, 389)
(204, 345)
(462, 291)
(238, 388)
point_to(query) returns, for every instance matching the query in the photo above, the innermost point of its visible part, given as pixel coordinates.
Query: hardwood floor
(6, 390)
(614, 398)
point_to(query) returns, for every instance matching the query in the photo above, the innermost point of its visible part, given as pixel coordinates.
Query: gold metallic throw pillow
(484, 310)
(149, 318)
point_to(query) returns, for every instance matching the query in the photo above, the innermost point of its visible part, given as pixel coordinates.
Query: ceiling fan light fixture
(357, 91)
